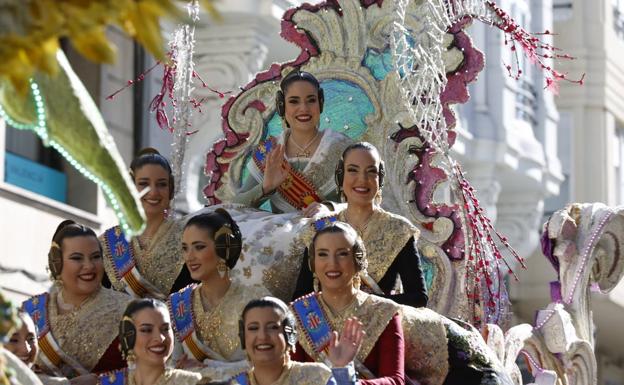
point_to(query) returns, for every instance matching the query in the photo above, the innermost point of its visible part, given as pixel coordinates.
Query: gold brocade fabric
(172, 377)
(426, 345)
(384, 237)
(86, 332)
(159, 263)
(218, 327)
(299, 373)
(373, 311)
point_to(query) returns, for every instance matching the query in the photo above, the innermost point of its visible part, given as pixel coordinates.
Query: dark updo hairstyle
(294, 76)
(287, 323)
(150, 155)
(127, 330)
(359, 251)
(66, 229)
(226, 234)
(340, 167)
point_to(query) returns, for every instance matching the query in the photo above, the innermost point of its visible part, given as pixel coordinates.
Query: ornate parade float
(391, 72)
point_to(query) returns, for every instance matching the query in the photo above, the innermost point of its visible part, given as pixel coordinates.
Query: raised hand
(275, 169)
(315, 208)
(343, 350)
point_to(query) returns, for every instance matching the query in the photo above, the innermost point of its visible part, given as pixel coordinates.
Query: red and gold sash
(297, 190)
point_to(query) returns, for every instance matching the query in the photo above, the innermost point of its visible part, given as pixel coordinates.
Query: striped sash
(296, 189)
(125, 266)
(180, 306)
(57, 361)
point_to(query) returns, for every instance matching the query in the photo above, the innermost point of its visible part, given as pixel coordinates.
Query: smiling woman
(268, 334)
(149, 265)
(146, 342)
(293, 171)
(394, 265)
(71, 344)
(338, 261)
(206, 315)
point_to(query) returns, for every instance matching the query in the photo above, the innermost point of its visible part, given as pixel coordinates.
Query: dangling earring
(131, 359)
(357, 281)
(315, 283)
(378, 198)
(222, 268)
(343, 198)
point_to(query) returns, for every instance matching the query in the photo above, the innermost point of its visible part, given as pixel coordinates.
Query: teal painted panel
(35, 177)
(429, 271)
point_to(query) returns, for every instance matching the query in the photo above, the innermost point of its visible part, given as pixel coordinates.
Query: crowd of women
(163, 308)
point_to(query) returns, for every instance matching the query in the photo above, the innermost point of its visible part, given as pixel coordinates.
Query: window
(562, 10)
(618, 17)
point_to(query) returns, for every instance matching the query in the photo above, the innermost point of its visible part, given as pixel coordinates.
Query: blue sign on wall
(35, 177)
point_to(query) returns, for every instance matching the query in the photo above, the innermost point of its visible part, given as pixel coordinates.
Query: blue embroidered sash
(121, 250)
(316, 327)
(181, 308)
(125, 266)
(57, 361)
(117, 377)
(37, 308)
(242, 379)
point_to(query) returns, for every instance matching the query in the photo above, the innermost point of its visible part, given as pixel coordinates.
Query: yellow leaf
(147, 27)
(94, 45)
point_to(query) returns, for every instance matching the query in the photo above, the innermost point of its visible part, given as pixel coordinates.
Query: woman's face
(302, 108)
(154, 336)
(154, 176)
(334, 264)
(199, 253)
(23, 343)
(264, 335)
(361, 176)
(82, 265)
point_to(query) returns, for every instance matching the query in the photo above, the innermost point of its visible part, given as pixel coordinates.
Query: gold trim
(382, 247)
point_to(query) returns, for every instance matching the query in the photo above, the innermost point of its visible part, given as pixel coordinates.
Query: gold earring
(131, 359)
(315, 283)
(357, 282)
(222, 268)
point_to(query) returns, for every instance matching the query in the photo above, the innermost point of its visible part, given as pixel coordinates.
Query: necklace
(304, 150)
(64, 306)
(362, 228)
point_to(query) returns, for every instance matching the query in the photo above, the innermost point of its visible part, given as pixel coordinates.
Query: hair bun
(148, 151)
(62, 225)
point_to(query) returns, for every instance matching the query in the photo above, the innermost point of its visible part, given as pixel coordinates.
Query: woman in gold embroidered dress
(390, 239)
(146, 341)
(338, 259)
(205, 316)
(77, 319)
(302, 148)
(151, 264)
(268, 334)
